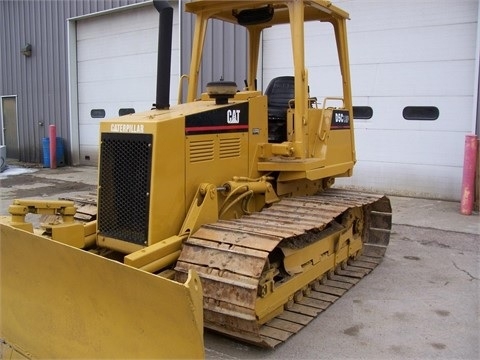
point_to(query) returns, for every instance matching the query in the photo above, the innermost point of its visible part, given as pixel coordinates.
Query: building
(71, 63)
(414, 70)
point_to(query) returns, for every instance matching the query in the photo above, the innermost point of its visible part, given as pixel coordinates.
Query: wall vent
(229, 148)
(201, 150)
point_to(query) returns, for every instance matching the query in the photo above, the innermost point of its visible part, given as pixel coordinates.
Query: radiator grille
(229, 148)
(124, 193)
(201, 150)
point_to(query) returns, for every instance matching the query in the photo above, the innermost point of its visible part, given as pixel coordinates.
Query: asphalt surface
(421, 302)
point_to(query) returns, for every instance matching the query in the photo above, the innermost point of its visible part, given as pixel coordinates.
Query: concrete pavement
(422, 301)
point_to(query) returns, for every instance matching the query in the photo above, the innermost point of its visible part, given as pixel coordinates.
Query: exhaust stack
(164, 54)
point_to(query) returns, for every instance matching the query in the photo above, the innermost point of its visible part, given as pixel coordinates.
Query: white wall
(402, 53)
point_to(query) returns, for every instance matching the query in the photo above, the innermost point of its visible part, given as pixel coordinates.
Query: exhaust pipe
(164, 54)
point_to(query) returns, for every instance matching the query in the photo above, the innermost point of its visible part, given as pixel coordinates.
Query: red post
(468, 181)
(52, 130)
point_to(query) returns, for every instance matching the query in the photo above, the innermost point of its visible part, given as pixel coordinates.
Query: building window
(126, 111)
(421, 113)
(97, 113)
(362, 112)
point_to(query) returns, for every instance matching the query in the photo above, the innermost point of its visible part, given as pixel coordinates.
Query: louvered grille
(229, 148)
(202, 150)
(124, 193)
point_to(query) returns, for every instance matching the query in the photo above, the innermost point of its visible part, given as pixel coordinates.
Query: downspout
(74, 132)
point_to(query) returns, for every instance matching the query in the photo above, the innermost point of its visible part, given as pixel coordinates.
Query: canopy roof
(232, 11)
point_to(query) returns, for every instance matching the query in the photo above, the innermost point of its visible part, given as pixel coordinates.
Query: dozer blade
(61, 302)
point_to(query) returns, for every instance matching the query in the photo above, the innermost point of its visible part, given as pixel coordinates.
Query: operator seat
(279, 92)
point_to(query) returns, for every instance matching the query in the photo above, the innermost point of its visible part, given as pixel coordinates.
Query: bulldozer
(217, 212)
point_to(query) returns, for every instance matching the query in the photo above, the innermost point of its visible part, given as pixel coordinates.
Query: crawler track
(86, 206)
(234, 257)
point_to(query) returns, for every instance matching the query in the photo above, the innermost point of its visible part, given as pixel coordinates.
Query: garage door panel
(111, 110)
(387, 113)
(407, 147)
(89, 135)
(380, 15)
(117, 90)
(120, 44)
(325, 81)
(441, 78)
(431, 181)
(98, 94)
(405, 44)
(89, 154)
(122, 22)
(322, 42)
(125, 67)
(85, 111)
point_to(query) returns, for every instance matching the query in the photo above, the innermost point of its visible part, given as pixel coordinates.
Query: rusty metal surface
(230, 257)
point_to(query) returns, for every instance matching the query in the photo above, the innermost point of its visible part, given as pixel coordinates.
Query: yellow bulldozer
(219, 211)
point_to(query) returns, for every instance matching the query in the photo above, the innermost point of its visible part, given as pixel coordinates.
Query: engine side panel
(141, 181)
(216, 145)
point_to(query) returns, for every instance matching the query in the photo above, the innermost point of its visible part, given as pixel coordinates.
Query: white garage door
(117, 67)
(409, 59)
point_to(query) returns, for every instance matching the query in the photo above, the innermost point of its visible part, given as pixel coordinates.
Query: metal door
(9, 125)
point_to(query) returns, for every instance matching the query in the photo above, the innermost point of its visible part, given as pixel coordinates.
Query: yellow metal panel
(72, 234)
(206, 164)
(61, 302)
(141, 258)
(8, 352)
(167, 192)
(224, 9)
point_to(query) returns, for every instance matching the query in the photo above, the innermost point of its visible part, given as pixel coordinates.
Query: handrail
(180, 88)
(329, 98)
(321, 135)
